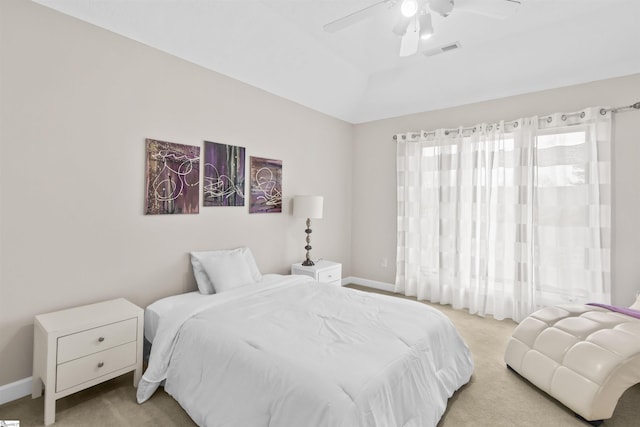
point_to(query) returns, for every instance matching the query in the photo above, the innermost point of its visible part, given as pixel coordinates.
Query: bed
(288, 351)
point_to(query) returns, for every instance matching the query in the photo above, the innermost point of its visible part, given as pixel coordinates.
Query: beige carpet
(494, 397)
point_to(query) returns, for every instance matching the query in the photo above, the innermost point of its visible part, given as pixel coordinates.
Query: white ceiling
(356, 74)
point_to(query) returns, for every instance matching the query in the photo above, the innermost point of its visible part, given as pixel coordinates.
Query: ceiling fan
(414, 23)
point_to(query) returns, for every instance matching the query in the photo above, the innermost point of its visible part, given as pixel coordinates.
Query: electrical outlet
(384, 263)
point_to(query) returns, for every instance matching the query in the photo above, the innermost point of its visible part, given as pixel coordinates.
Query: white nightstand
(323, 271)
(80, 347)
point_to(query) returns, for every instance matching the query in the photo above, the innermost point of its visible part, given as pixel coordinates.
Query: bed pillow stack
(218, 271)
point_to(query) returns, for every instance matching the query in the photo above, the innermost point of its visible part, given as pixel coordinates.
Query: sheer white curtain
(505, 218)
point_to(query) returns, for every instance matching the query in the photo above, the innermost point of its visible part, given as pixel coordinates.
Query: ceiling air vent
(442, 49)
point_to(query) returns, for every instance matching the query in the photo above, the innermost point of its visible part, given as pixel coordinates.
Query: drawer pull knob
(100, 339)
(100, 364)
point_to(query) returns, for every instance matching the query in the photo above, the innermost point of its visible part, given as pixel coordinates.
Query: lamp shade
(307, 206)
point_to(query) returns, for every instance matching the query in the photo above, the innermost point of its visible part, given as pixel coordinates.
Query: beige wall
(374, 179)
(77, 103)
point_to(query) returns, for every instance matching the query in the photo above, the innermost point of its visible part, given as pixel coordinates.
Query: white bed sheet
(291, 352)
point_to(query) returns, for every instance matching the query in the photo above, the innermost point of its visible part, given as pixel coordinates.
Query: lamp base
(307, 262)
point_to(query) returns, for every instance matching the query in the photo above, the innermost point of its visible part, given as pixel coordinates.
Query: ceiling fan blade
(400, 29)
(352, 18)
(498, 9)
(410, 41)
(442, 7)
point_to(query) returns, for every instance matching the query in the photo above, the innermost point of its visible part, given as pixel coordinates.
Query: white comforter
(289, 352)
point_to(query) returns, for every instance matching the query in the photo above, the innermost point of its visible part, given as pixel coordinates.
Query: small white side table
(83, 346)
(323, 271)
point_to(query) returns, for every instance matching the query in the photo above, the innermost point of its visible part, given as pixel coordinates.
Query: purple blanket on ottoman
(624, 310)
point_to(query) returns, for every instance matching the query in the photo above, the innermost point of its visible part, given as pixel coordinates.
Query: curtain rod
(603, 111)
(635, 106)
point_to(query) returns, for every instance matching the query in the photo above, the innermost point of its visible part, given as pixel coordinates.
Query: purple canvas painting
(266, 185)
(173, 178)
(223, 175)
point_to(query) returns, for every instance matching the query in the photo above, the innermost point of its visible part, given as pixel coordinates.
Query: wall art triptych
(173, 179)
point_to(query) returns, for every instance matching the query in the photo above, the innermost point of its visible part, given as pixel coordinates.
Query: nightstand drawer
(95, 365)
(322, 271)
(330, 275)
(97, 339)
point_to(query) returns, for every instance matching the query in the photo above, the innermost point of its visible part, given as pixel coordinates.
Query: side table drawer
(97, 339)
(95, 365)
(330, 275)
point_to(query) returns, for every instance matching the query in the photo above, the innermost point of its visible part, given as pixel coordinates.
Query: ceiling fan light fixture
(426, 26)
(409, 8)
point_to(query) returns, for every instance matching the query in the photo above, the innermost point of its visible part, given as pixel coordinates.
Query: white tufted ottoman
(584, 356)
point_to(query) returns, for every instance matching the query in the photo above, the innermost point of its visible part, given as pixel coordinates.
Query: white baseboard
(383, 286)
(15, 390)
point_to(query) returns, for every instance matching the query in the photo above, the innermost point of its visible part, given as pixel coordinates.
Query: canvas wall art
(266, 185)
(172, 178)
(223, 182)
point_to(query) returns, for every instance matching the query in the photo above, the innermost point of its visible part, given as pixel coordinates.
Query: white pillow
(227, 271)
(204, 284)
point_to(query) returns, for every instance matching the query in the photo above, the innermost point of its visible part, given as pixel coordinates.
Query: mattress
(289, 351)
